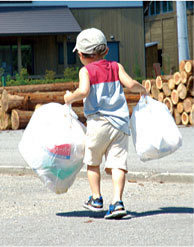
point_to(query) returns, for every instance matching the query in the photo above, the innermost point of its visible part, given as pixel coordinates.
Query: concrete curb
(131, 176)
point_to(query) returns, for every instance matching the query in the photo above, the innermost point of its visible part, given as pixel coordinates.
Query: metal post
(183, 45)
(3, 80)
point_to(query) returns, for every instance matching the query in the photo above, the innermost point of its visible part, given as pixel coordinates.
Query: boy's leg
(93, 173)
(117, 209)
(95, 202)
(118, 179)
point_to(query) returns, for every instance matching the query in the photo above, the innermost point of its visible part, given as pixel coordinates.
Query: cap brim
(74, 49)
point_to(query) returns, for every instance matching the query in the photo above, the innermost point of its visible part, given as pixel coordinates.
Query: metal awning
(37, 20)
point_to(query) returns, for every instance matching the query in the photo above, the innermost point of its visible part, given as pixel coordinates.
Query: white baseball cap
(89, 39)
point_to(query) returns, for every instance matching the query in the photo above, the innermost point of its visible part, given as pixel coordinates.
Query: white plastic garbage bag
(154, 131)
(53, 145)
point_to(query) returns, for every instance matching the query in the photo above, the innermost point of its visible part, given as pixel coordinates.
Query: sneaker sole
(93, 209)
(116, 214)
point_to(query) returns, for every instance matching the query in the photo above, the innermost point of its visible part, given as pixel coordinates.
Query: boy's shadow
(130, 214)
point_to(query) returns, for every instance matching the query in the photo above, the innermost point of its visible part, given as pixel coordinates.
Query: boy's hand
(66, 97)
(144, 93)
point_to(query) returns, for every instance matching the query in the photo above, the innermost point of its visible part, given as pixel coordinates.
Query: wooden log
(177, 117)
(80, 113)
(63, 86)
(29, 101)
(9, 102)
(148, 84)
(162, 79)
(161, 96)
(184, 76)
(182, 91)
(180, 107)
(185, 118)
(189, 66)
(5, 120)
(155, 92)
(20, 119)
(187, 104)
(191, 116)
(190, 86)
(177, 78)
(174, 97)
(167, 101)
(166, 89)
(182, 65)
(171, 83)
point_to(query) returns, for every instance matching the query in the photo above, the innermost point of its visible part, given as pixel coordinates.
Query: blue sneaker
(95, 205)
(116, 211)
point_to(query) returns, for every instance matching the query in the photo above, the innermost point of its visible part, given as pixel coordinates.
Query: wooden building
(41, 37)
(161, 27)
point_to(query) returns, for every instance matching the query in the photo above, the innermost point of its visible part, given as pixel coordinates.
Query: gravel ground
(159, 214)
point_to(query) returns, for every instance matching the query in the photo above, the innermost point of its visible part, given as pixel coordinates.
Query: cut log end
(180, 107)
(182, 65)
(189, 66)
(185, 118)
(182, 91)
(167, 101)
(161, 96)
(171, 84)
(177, 117)
(177, 78)
(187, 104)
(20, 119)
(174, 97)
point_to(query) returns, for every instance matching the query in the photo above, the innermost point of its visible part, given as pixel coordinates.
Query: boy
(105, 107)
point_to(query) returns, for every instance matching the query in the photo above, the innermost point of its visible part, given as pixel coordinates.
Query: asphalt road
(179, 162)
(159, 214)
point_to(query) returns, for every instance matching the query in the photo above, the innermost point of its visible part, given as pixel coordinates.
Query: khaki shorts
(103, 139)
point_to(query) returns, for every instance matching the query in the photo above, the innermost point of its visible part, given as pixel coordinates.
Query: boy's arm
(129, 83)
(82, 91)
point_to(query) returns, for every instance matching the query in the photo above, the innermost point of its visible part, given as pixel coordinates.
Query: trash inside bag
(53, 145)
(154, 131)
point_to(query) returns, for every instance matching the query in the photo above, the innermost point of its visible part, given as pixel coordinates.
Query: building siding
(163, 29)
(126, 24)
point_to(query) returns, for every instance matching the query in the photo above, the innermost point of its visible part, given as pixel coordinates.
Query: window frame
(161, 11)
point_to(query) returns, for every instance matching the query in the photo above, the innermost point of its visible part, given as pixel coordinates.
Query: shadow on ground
(130, 214)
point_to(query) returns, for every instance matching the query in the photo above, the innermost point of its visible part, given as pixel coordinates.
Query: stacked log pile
(17, 104)
(176, 91)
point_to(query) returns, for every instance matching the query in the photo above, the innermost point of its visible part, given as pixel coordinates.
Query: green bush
(49, 75)
(71, 74)
(23, 74)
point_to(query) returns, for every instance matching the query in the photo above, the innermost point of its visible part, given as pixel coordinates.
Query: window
(164, 7)
(189, 5)
(71, 56)
(9, 61)
(160, 7)
(157, 8)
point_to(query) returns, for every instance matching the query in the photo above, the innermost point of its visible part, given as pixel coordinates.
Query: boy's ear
(106, 52)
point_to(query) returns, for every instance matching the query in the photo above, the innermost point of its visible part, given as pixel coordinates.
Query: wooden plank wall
(45, 54)
(163, 28)
(126, 24)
